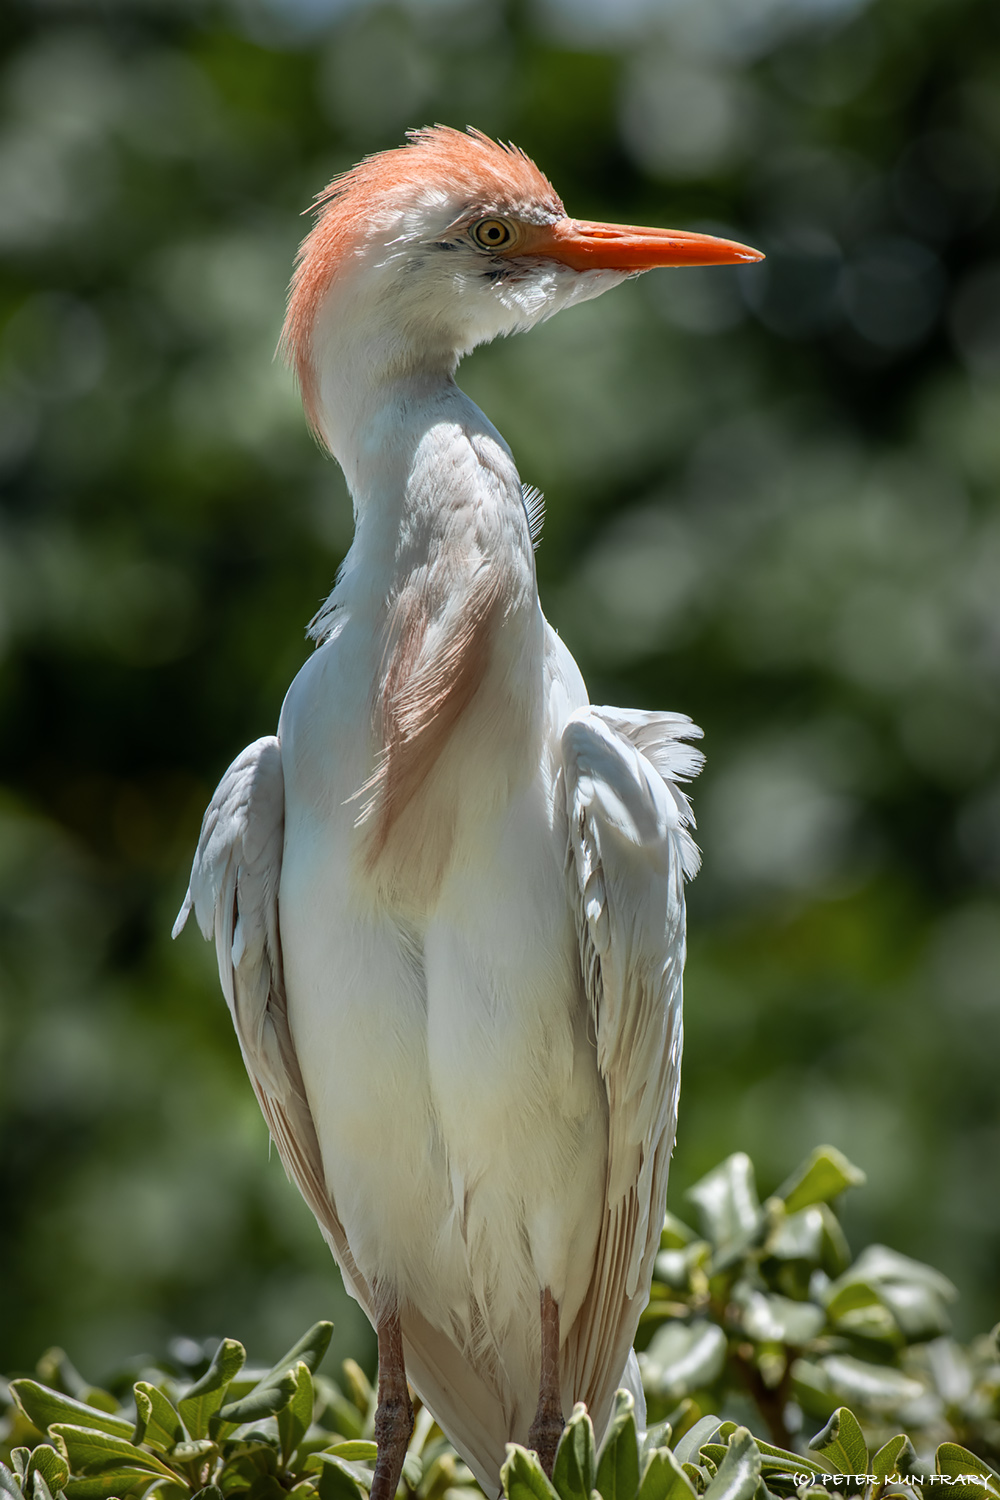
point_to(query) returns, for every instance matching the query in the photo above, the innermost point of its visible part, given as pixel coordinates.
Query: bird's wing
(234, 896)
(628, 852)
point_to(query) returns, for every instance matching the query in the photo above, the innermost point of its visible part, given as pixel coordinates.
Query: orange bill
(624, 247)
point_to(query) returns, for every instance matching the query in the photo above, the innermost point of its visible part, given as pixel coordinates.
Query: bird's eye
(494, 234)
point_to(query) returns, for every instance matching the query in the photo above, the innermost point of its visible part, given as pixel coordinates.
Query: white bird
(447, 897)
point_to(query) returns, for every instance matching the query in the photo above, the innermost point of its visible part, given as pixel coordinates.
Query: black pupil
(495, 232)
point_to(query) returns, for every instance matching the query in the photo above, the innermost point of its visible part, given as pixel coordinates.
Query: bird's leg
(394, 1413)
(547, 1428)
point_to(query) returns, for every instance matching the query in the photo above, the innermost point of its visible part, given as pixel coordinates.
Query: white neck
(438, 598)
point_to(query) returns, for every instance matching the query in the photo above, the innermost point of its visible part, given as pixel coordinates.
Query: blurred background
(773, 502)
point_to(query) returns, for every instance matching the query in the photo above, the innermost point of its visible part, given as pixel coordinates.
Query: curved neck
(435, 490)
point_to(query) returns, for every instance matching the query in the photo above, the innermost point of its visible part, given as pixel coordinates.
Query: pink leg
(394, 1413)
(546, 1429)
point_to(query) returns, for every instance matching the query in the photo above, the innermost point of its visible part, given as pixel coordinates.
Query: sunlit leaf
(824, 1174)
(841, 1444)
(44, 1407)
(739, 1473)
(90, 1450)
(895, 1456)
(663, 1478)
(51, 1464)
(683, 1357)
(10, 1489)
(157, 1420)
(955, 1461)
(729, 1211)
(575, 1463)
(768, 1318)
(687, 1447)
(618, 1463)
(203, 1399)
(263, 1401)
(523, 1477)
(295, 1418)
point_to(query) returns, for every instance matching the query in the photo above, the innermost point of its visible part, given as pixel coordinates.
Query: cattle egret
(447, 896)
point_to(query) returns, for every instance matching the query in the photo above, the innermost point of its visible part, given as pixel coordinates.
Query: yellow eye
(494, 234)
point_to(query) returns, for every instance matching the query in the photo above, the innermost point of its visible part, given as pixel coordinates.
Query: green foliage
(758, 1321)
(230, 1434)
(762, 1309)
(724, 1461)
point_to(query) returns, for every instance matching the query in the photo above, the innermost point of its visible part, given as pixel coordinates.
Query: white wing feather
(629, 850)
(234, 895)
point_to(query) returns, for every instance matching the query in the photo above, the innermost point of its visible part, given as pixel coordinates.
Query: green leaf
(205, 1397)
(523, 1477)
(358, 1387)
(703, 1431)
(359, 1451)
(295, 1419)
(953, 1460)
(878, 1388)
(822, 1176)
(337, 1483)
(157, 1420)
(618, 1465)
(729, 1210)
(39, 1487)
(208, 1492)
(279, 1385)
(664, 1479)
(914, 1297)
(919, 1310)
(836, 1251)
(575, 1463)
(43, 1406)
(841, 1444)
(412, 1469)
(683, 1357)
(778, 1460)
(263, 1401)
(107, 1483)
(91, 1450)
(877, 1263)
(739, 1472)
(10, 1488)
(768, 1318)
(657, 1436)
(895, 1455)
(51, 1464)
(191, 1451)
(797, 1236)
(354, 1471)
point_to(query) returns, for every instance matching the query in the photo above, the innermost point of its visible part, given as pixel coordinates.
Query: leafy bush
(762, 1313)
(759, 1314)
